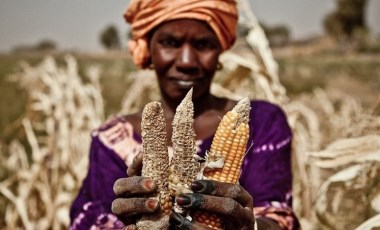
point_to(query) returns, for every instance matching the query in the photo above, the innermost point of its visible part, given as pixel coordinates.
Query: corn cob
(183, 166)
(155, 164)
(226, 154)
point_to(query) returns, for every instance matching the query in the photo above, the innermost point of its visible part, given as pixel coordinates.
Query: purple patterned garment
(266, 172)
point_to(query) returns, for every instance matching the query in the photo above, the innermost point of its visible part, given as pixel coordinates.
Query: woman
(182, 40)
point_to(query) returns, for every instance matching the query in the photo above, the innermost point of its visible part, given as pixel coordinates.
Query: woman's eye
(169, 42)
(204, 44)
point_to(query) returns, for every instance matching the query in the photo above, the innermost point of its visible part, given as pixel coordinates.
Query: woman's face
(185, 54)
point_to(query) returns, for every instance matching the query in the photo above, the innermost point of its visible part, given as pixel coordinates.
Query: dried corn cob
(183, 167)
(155, 164)
(227, 152)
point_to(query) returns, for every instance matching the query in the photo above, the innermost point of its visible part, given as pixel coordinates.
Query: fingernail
(197, 186)
(149, 184)
(179, 221)
(203, 186)
(152, 204)
(183, 200)
(139, 155)
(176, 217)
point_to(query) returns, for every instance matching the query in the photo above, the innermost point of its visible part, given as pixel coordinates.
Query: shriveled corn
(227, 150)
(155, 164)
(183, 166)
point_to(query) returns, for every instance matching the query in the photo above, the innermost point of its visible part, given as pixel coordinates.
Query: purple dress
(266, 172)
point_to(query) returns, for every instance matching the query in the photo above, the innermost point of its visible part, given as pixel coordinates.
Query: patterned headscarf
(144, 15)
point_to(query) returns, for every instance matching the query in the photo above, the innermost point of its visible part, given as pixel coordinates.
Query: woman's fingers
(231, 201)
(215, 188)
(134, 185)
(227, 207)
(130, 208)
(180, 222)
(133, 206)
(135, 168)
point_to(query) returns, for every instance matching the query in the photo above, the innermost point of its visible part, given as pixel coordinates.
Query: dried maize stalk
(155, 164)
(226, 154)
(184, 166)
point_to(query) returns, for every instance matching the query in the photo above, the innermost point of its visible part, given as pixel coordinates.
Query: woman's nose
(187, 58)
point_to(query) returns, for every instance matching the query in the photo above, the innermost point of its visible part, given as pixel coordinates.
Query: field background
(331, 96)
(301, 69)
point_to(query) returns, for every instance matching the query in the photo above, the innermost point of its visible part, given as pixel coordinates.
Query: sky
(76, 24)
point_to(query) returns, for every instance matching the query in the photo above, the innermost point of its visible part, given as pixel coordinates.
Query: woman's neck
(201, 104)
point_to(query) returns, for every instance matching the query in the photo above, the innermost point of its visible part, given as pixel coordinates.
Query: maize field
(336, 147)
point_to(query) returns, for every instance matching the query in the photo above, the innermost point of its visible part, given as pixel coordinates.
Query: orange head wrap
(144, 15)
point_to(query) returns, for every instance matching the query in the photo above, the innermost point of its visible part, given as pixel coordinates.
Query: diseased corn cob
(155, 164)
(227, 152)
(184, 167)
(231, 138)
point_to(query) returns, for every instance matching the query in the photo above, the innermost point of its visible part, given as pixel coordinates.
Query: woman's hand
(230, 201)
(135, 168)
(131, 204)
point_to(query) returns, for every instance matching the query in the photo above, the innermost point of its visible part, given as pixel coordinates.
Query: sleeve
(92, 207)
(266, 172)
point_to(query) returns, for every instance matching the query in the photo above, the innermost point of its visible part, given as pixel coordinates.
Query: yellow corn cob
(183, 166)
(155, 164)
(228, 146)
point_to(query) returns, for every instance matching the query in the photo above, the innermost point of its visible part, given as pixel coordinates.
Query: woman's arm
(92, 206)
(267, 171)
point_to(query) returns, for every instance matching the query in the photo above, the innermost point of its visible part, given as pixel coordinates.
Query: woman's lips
(184, 84)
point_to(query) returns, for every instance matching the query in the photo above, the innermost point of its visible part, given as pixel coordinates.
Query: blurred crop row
(50, 103)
